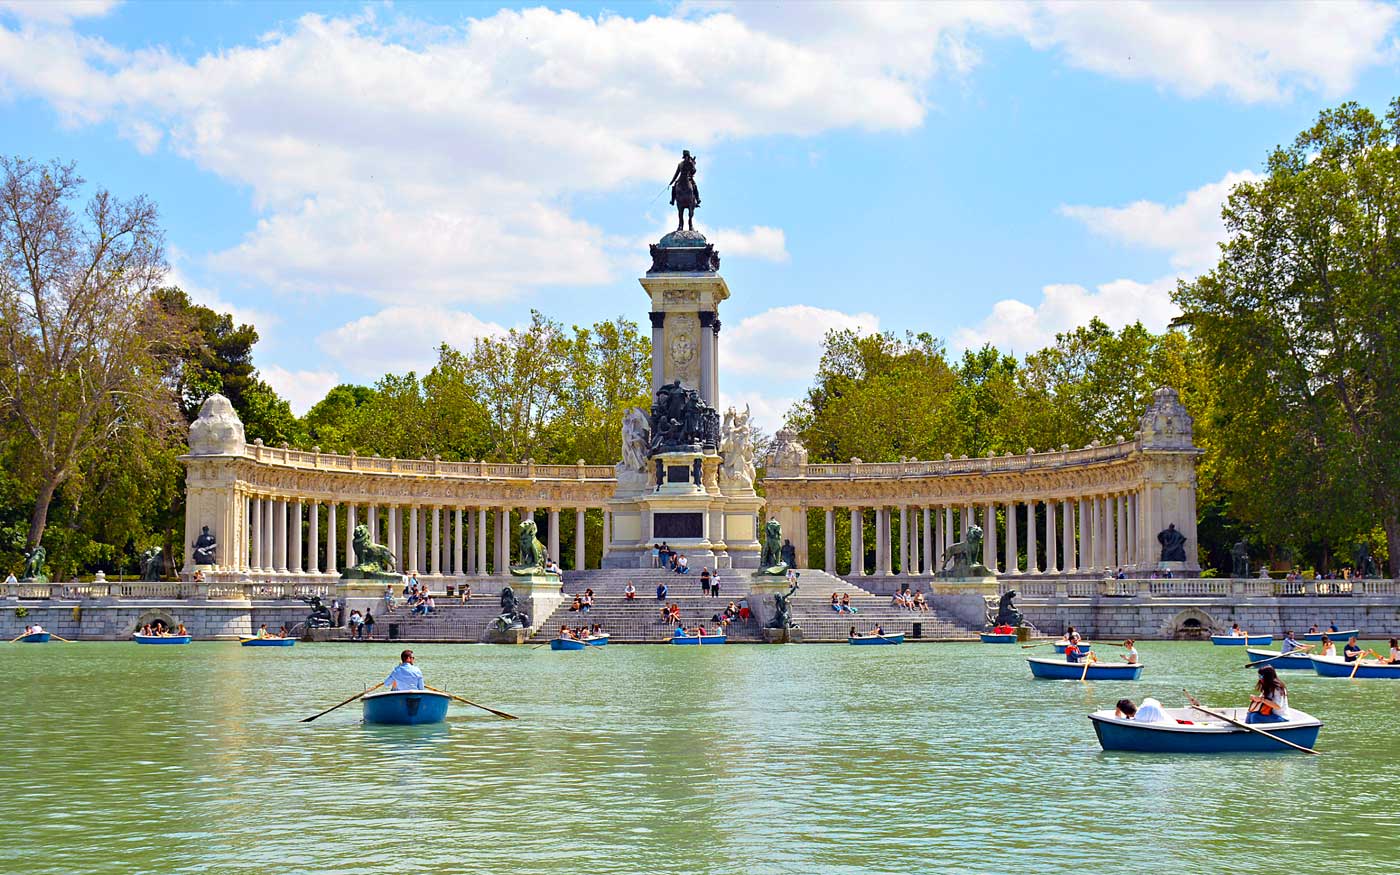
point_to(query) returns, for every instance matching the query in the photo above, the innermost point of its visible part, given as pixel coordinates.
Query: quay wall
(87, 621)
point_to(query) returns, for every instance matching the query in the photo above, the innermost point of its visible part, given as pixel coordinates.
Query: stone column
(658, 351)
(502, 539)
(435, 553)
(411, 559)
(313, 538)
(1013, 558)
(255, 555)
(947, 535)
(580, 547)
(857, 542)
(1134, 549)
(607, 531)
(351, 560)
(552, 542)
(296, 537)
(989, 537)
(927, 564)
(1070, 560)
(964, 521)
(707, 358)
(269, 534)
(330, 538)
(903, 540)
(1120, 503)
(372, 520)
(1032, 560)
(458, 569)
(279, 536)
(482, 567)
(829, 542)
(887, 542)
(1052, 561)
(1086, 536)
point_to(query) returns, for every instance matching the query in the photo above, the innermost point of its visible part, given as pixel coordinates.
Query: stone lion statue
(34, 565)
(531, 550)
(371, 558)
(963, 558)
(771, 559)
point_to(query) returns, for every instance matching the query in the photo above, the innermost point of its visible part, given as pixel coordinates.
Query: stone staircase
(811, 609)
(639, 620)
(449, 621)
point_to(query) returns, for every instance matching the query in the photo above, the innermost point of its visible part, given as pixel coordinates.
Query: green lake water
(122, 758)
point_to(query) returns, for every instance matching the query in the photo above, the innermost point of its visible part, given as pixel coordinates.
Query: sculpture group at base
(153, 564)
(511, 617)
(1007, 614)
(205, 547)
(34, 565)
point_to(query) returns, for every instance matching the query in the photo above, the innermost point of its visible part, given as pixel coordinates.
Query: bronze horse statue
(685, 195)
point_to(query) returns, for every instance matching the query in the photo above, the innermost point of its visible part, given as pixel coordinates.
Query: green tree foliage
(1301, 322)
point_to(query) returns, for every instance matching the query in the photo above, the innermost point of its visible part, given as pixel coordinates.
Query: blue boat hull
(1059, 670)
(405, 707)
(872, 639)
(1241, 640)
(990, 638)
(691, 639)
(1173, 738)
(267, 642)
(162, 639)
(576, 644)
(1283, 663)
(1338, 668)
(35, 638)
(1339, 638)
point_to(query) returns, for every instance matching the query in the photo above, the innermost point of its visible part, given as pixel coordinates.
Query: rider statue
(685, 194)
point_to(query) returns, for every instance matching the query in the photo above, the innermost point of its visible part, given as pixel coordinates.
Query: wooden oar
(1087, 662)
(1269, 735)
(17, 637)
(61, 638)
(342, 704)
(1359, 657)
(1041, 644)
(503, 715)
(1271, 658)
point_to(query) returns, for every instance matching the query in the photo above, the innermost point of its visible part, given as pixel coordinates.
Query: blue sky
(363, 181)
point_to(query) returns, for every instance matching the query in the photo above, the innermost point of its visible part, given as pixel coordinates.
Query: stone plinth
(509, 636)
(782, 636)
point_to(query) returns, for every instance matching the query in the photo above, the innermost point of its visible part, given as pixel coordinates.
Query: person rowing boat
(1271, 703)
(406, 675)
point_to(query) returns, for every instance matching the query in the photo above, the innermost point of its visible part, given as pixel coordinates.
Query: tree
(1301, 322)
(80, 335)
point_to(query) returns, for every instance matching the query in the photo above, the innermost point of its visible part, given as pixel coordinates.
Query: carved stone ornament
(218, 431)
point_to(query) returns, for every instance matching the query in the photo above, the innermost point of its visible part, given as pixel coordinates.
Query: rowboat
(877, 639)
(162, 639)
(697, 639)
(1228, 640)
(254, 641)
(1298, 659)
(35, 638)
(1202, 734)
(406, 707)
(997, 637)
(577, 644)
(1336, 667)
(1341, 636)
(1061, 645)
(1060, 670)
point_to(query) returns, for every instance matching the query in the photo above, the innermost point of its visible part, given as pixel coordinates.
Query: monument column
(829, 542)
(256, 554)
(1013, 549)
(928, 541)
(1032, 561)
(313, 537)
(658, 349)
(350, 559)
(436, 551)
(372, 520)
(989, 536)
(296, 537)
(457, 568)
(580, 548)
(412, 551)
(1069, 562)
(553, 540)
(708, 336)
(857, 537)
(269, 534)
(903, 539)
(1052, 561)
(330, 538)
(482, 564)
(1086, 535)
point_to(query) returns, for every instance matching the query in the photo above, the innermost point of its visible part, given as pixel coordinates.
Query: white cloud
(55, 11)
(785, 343)
(1190, 231)
(401, 339)
(760, 241)
(198, 294)
(301, 389)
(1014, 326)
(1249, 51)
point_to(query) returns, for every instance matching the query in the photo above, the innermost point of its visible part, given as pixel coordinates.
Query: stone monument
(216, 437)
(203, 549)
(372, 561)
(1167, 500)
(34, 565)
(686, 475)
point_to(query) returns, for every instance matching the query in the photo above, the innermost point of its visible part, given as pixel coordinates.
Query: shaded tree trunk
(40, 518)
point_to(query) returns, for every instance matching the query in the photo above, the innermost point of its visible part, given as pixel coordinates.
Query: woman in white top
(1130, 654)
(1328, 648)
(1270, 703)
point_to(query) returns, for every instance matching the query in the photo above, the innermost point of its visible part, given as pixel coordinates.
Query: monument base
(782, 636)
(508, 636)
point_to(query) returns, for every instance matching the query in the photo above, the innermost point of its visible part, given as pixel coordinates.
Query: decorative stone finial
(1166, 425)
(787, 451)
(218, 431)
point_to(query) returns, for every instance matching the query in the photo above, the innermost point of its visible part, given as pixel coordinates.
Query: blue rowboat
(1339, 637)
(1298, 659)
(1203, 734)
(876, 639)
(1228, 640)
(253, 641)
(162, 639)
(995, 638)
(35, 638)
(406, 707)
(1060, 646)
(1336, 667)
(1060, 670)
(576, 644)
(697, 639)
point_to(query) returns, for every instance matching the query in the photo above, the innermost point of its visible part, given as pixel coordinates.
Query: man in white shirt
(406, 675)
